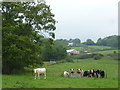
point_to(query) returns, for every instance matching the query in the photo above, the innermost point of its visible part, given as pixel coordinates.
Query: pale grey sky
(85, 19)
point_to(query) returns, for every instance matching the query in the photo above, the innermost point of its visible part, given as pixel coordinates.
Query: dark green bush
(84, 56)
(69, 59)
(96, 57)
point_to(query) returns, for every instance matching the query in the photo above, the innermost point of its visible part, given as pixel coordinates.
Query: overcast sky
(85, 19)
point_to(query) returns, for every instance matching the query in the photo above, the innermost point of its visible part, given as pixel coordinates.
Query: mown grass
(55, 80)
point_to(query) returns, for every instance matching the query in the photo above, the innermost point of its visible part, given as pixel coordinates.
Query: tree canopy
(112, 41)
(23, 28)
(89, 42)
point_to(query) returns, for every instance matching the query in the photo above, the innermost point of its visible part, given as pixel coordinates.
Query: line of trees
(112, 41)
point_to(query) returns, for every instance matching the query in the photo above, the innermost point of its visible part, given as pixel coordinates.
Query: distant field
(107, 52)
(100, 47)
(77, 48)
(55, 80)
(93, 47)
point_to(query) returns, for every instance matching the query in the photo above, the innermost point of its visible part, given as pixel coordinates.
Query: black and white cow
(101, 73)
(89, 73)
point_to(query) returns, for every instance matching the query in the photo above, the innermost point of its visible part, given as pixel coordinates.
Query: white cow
(66, 74)
(39, 71)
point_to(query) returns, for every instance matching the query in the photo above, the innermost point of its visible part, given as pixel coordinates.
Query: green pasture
(78, 48)
(100, 47)
(55, 79)
(107, 52)
(92, 47)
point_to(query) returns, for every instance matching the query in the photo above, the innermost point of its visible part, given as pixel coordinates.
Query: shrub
(84, 56)
(69, 59)
(96, 57)
(94, 54)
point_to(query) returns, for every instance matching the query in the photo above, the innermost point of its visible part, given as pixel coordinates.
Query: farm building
(70, 44)
(72, 52)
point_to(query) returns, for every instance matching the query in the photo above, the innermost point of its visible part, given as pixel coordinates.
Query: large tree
(24, 24)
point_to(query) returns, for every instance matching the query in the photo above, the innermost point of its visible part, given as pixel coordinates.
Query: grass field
(100, 47)
(78, 48)
(55, 80)
(107, 52)
(93, 47)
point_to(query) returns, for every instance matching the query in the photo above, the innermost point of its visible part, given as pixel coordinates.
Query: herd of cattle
(81, 73)
(72, 73)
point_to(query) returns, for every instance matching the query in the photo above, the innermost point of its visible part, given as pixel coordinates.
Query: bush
(97, 56)
(84, 56)
(69, 59)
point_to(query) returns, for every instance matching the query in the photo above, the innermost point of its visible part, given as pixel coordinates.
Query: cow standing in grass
(39, 71)
(91, 73)
(101, 73)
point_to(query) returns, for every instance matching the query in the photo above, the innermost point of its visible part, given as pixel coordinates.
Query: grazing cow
(39, 71)
(86, 74)
(80, 71)
(96, 73)
(89, 73)
(66, 74)
(101, 73)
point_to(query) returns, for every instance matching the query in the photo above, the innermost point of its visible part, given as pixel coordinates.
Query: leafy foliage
(112, 41)
(55, 51)
(89, 42)
(23, 27)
